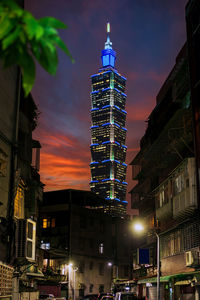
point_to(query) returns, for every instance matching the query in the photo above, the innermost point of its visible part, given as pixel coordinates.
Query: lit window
(44, 223)
(53, 222)
(19, 203)
(101, 248)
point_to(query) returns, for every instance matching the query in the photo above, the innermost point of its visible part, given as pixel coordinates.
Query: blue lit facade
(108, 134)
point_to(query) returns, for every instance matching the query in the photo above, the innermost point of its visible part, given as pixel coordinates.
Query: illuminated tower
(108, 133)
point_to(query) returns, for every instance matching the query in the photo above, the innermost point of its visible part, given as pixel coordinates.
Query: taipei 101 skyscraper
(108, 133)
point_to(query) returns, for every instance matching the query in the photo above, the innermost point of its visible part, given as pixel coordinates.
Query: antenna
(108, 27)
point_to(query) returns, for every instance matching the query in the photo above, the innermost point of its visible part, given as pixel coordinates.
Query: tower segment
(108, 133)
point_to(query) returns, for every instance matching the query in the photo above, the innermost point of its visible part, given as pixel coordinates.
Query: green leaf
(48, 58)
(10, 39)
(6, 25)
(28, 71)
(14, 8)
(62, 45)
(52, 22)
(32, 26)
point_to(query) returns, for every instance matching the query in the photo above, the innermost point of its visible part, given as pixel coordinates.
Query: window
(30, 243)
(101, 269)
(81, 267)
(101, 288)
(162, 196)
(44, 223)
(91, 287)
(178, 184)
(48, 222)
(53, 222)
(36, 155)
(19, 203)
(101, 248)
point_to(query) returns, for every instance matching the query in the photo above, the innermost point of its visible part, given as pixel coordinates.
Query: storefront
(180, 286)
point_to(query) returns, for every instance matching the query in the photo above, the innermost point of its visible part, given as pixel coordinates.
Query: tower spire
(108, 54)
(108, 43)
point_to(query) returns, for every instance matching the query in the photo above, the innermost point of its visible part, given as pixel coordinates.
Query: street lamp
(138, 227)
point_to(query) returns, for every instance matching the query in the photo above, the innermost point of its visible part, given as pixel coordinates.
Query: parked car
(46, 296)
(125, 296)
(105, 296)
(90, 297)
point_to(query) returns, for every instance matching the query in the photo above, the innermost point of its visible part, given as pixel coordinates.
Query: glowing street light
(139, 227)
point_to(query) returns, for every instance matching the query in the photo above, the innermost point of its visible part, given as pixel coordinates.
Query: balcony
(176, 196)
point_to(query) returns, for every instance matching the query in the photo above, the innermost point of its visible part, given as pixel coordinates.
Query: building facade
(20, 187)
(84, 248)
(166, 191)
(108, 133)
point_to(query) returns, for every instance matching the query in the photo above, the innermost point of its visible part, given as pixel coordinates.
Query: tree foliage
(23, 39)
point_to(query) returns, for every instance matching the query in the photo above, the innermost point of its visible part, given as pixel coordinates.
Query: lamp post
(138, 227)
(75, 269)
(69, 279)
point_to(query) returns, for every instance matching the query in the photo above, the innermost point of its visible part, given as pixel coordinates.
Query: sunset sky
(146, 35)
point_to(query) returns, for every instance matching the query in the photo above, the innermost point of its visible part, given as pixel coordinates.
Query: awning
(35, 274)
(182, 282)
(182, 278)
(154, 279)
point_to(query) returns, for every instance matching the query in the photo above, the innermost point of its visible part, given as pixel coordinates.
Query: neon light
(124, 111)
(105, 160)
(107, 179)
(124, 128)
(117, 180)
(94, 181)
(94, 162)
(106, 124)
(117, 161)
(94, 75)
(124, 94)
(124, 164)
(117, 125)
(124, 146)
(95, 126)
(117, 143)
(122, 77)
(94, 145)
(107, 72)
(117, 199)
(124, 183)
(117, 90)
(116, 107)
(94, 109)
(106, 142)
(125, 201)
(105, 106)
(94, 92)
(106, 89)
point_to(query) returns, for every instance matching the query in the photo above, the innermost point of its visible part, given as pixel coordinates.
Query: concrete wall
(174, 264)
(8, 90)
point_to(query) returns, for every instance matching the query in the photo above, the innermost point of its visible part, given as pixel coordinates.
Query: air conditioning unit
(26, 239)
(192, 258)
